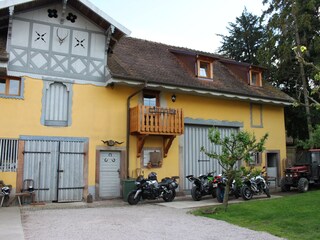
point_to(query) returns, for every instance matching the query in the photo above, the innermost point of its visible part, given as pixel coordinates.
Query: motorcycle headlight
(174, 185)
(137, 184)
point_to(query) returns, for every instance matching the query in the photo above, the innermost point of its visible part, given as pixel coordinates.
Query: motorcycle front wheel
(131, 200)
(246, 193)
(196, 193)
(169, 196)
(220, 194)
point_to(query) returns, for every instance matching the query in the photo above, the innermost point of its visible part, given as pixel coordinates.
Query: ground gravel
(143, 221)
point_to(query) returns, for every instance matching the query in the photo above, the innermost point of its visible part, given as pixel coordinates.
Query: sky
(192, 24)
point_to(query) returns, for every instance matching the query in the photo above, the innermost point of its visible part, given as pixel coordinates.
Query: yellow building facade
(81, 115)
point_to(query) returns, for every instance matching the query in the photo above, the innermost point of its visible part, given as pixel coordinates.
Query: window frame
(56, 123)
(256, 159)
(145, 158)
(258, 75)
(209, 71)
(7, 80)
(9, 151)
(156, 95)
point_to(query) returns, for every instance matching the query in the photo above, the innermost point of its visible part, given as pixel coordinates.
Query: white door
(109, 186)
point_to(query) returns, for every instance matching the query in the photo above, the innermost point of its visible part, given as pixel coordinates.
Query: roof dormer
(255, 77)
(204, 67)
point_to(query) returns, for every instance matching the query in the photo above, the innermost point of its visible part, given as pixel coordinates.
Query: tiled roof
(141, 60)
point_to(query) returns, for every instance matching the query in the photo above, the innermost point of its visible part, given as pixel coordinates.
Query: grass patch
(291, 217)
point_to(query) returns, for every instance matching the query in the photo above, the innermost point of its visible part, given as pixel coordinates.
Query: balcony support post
(167, 141)
(140, 142)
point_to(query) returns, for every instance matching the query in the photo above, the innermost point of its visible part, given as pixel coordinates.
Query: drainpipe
(128, 123)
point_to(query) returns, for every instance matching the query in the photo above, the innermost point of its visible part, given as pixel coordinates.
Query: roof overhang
(203, 92)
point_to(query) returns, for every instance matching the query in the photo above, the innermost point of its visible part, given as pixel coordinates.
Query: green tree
(245, 37)
(293, 23)
(238, 147)
(313, 141)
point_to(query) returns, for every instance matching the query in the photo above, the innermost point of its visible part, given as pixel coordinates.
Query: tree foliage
(267, 40)
(238, 147)
(313, 141)
(245, 37)
(293, 23)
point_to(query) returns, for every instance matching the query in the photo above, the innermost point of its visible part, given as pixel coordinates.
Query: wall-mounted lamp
(173, 98)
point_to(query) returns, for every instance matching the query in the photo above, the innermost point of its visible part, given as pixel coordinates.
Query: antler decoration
(60, 38)
(111, 142)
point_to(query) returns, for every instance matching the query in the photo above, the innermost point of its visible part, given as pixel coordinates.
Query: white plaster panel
(20, 33)
(98, 42)
(41, 14)
(62, 45)
(80, 43)
(78, 65)
(40, 36)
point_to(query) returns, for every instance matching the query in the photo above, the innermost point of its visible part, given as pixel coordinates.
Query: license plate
(215, 185)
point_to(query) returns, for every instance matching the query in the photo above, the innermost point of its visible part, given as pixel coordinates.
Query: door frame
(123, 165)
(277, 163)
(20, 162)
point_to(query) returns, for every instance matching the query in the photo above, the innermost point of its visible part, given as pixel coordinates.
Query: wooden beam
(64, 7)
(167, 144)
(140, 142)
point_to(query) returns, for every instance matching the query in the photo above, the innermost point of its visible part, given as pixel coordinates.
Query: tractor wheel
(303, 185)
(284, 187)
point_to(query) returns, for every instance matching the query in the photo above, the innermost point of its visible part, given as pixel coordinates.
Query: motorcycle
(219, 184)
(254, 186)
(202, 186)
(5, 191)
(150, 189)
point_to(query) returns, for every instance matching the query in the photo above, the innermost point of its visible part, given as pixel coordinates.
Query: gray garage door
(57, 168)
(195, 161)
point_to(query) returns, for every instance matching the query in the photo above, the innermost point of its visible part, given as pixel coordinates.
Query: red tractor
(305, 171)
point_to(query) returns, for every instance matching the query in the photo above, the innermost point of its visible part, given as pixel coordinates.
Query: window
(204, 69)
(56, 105)
(256, 159)
(10, 87)
(152, 157)
(151, 98)
(8, 155)
(255, 78)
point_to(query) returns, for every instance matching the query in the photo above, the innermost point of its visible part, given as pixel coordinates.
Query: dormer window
(204, 69)
(255, 78)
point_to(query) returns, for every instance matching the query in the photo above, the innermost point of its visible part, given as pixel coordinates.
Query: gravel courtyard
(144, 221)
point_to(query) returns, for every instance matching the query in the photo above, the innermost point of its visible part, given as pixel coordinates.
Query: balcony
(165, 122)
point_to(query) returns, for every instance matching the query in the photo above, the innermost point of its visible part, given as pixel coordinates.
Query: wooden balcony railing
(156, 120)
